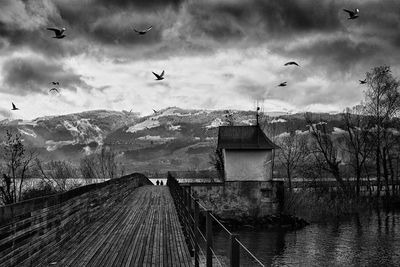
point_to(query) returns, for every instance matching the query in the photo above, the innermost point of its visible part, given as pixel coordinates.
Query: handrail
(249, 252)
(189, 208)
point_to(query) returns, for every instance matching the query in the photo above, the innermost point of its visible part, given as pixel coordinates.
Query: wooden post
(196, 232)
(209, 236)
(189, 219)
(234, 251)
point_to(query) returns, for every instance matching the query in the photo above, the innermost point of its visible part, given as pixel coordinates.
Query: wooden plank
(134, 251)
(117, 257)
(128, 254)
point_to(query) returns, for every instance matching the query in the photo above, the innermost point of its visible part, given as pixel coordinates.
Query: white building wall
(248, 165)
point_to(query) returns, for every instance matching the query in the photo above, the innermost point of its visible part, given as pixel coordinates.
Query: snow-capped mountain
(171, 139)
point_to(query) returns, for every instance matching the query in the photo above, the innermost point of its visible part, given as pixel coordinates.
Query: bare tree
(107, 163)
(357, 141)
(88, 167)
(324, 150)
(18, 162)
(101, 165)
(382, 99)
(229, 118)
(56, 173)
(293, 150)
(217, 160)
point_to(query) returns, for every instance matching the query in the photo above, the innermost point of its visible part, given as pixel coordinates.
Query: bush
(318, 206)
(42, 189)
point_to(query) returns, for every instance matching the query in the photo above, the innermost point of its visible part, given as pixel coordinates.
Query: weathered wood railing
(32, 229)
(189, 209)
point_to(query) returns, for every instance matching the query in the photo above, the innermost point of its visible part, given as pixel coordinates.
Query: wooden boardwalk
(143, 230)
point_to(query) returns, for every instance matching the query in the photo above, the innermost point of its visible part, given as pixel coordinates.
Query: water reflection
(369, 240)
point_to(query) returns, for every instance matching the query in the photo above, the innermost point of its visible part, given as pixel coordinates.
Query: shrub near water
(42, 189)
(316, 206)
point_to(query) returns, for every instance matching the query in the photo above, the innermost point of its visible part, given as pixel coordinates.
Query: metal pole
(209, 236)
(234, 251)
(196, 232)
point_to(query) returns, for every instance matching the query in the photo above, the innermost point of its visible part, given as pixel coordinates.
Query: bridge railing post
(188, 227)
(196, 232)
(234, 251)
(209, 236)
(190, 221)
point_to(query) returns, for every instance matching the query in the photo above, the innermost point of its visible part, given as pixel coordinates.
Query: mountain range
(171, 139)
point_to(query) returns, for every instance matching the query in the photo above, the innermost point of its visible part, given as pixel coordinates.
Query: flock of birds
(353, 14)
(59, 34)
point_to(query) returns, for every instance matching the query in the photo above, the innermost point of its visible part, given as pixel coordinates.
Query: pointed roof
(243, 137)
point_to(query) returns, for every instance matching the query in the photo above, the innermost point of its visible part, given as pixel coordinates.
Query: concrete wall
(248, 165)
(236, 200)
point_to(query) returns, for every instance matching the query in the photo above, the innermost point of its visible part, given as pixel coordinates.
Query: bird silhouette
(142, 32)
(363, 81)
(14, 107)
(352, 14)
(155, 111)
(55, 83)
(159, 77)
(282, 84)
(54, 89)
(292, 63)
(58, 32)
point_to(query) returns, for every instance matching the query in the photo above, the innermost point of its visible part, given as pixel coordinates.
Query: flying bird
(282, 84)
(14, 107)
(155, 111)
(55, 83)
(159, 77)
(363, 81)
(142, 32)
(54, 89)
(58, 32)
(292, 63)
(352, 14)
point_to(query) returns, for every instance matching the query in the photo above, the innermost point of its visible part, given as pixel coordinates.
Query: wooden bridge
(121, 222)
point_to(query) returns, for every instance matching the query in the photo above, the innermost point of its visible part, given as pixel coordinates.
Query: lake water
(369, 240)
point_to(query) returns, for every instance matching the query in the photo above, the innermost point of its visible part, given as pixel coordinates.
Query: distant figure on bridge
(158, 182)
(162, 183)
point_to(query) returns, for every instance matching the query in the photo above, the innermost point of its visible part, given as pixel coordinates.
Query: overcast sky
(217, 54)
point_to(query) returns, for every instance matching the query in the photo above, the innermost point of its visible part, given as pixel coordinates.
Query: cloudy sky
(217, 54)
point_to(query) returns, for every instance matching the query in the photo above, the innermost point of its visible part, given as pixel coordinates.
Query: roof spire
(257, 115)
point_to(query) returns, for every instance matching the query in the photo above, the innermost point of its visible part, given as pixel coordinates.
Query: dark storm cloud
(381, 20)
(23, 76)
(339, 54)
(300, 16)
(23, 25)
(41, 41)
(112, 32)
(197, 27)
(141, 4)
(224, 19)
(89, 24)
(111, 23)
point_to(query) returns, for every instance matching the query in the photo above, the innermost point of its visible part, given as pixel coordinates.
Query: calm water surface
(369, 240)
